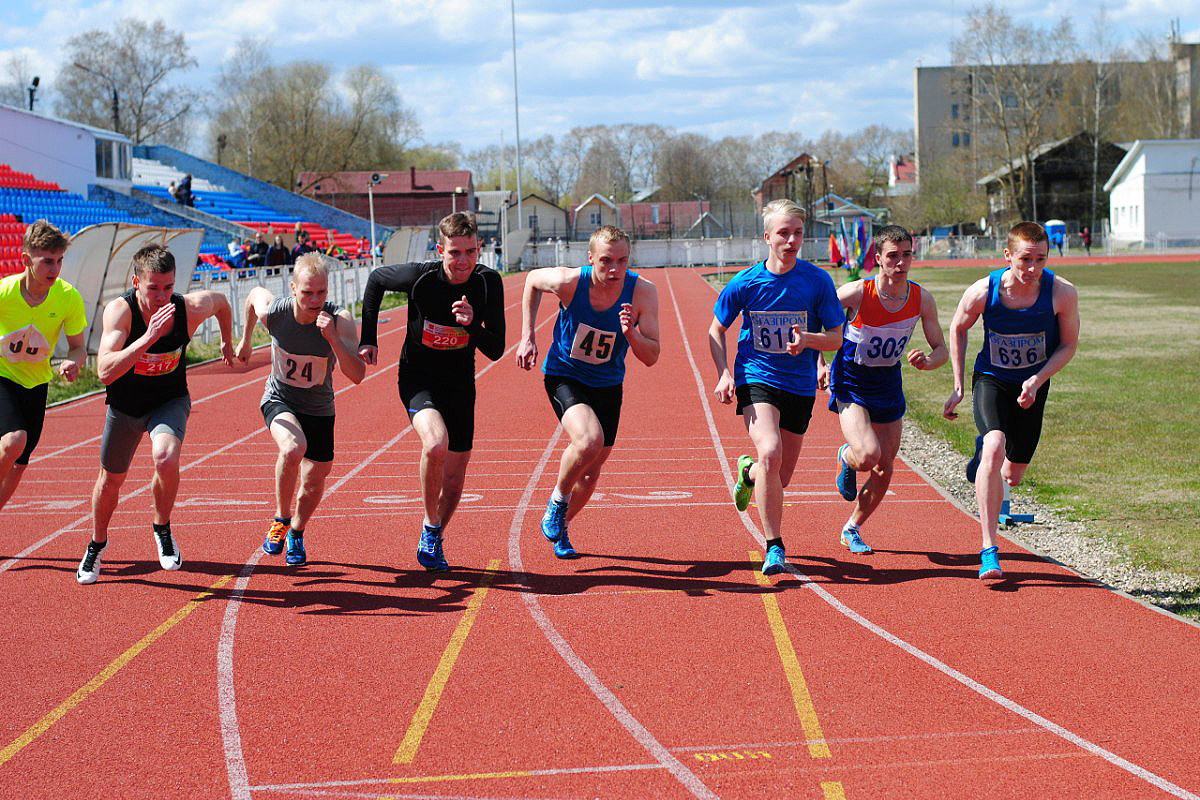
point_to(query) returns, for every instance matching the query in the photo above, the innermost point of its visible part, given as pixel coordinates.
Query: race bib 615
(772, 330)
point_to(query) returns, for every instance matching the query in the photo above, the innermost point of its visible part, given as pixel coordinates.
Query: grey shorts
(123, 433)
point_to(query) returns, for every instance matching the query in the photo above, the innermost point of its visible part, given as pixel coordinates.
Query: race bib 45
(592, 345)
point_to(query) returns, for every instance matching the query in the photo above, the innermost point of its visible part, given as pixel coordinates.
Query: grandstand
(24, 197)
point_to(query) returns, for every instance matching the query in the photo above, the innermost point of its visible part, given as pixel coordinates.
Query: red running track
(658, 664)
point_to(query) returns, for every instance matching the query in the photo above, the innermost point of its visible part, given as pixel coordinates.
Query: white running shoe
(89, 567)
(168, 552)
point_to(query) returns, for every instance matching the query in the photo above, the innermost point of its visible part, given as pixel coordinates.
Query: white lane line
(622, 715)
(945, 669)
(235, 757)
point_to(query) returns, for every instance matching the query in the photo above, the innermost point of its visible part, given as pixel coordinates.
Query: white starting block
(1006, 518)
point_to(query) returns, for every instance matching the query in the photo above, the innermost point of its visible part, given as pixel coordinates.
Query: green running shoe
(743, 490)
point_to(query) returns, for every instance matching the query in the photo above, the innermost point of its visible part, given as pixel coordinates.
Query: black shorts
(454, 401)
(318, 431)
(23, 409)
(795, 410)
(994, 403)
(604, 401)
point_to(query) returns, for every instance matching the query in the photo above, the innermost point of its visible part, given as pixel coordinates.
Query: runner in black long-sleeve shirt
(455, 307)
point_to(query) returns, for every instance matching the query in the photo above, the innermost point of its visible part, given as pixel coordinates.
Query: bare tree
(1013, 75)
(15, 78)
(1097, 77)
(1151, 102)
(281, 121)
(686, 168)
(123, 81)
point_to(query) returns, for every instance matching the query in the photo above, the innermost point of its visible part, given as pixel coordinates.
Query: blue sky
(708, 67)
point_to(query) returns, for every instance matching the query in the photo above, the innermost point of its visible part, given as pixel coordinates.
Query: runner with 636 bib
(1030, 331)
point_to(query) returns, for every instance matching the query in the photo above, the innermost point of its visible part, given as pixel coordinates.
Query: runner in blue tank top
(604, 311)
(789, 311)
(1030, 331)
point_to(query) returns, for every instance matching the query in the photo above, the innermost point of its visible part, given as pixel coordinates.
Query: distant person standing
(1030, 331)
(256, 253)
(277, 254)
(1085, 234)
(36, 307)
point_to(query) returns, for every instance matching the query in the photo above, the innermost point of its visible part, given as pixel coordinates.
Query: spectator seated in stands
(237, 255)
(277, 254)
(302, 245)
(333, 251)
(256, 253)
(364, 248)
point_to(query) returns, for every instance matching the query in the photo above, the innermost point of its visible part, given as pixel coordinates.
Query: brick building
(404, 197)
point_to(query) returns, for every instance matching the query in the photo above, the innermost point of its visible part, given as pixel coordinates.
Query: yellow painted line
(471, 777)
(441, 676)
(833, 790)
(817, 747)
(81, 694)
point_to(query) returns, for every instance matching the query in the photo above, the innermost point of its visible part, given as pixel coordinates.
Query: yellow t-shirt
(28, 335)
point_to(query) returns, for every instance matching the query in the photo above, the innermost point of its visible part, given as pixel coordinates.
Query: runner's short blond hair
(782, 208)
(313, 263)
(606, 233)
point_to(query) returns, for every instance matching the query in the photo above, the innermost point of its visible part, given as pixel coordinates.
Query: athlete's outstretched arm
(344, 341)
(933, 334)
(202, 305)
(392, 278)
(639, 322)
(1066, 309)
(559, 281)
(258, 302)
(488, 334)
(969, 308)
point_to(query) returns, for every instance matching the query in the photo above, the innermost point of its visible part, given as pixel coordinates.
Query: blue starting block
(1007, 518)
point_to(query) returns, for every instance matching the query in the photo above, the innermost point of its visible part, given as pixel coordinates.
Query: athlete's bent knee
(12, 444)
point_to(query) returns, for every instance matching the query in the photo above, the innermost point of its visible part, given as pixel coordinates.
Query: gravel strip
(1066, 541)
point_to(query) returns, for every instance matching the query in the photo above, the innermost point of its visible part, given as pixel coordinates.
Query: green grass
(1118, 446)
(87, 381)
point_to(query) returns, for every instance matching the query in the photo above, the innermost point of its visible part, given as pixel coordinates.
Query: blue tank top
(1017, 342)
(588, 344)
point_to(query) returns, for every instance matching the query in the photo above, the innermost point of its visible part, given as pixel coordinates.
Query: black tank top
(161, 373)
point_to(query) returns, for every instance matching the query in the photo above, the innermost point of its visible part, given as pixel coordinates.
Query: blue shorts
(880, 415)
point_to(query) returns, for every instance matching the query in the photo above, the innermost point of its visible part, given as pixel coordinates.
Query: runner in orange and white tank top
(865, 385)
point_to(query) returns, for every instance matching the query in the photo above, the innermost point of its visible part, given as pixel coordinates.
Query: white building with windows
(71, 154)
(1154, 194)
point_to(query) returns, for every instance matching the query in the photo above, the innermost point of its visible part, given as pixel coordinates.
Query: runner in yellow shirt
(35, 307)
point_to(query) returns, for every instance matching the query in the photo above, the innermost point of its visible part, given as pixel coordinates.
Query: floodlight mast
(376, 178)
(516, 107)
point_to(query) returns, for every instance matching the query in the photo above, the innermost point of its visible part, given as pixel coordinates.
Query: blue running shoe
(554, 521)
(989, 562)
(973, 464)
(775, 562)
(852, 541)
(295, 549)
(429, 550)
(847, 480)
(273, 544)
(743, 489)
(563, 548)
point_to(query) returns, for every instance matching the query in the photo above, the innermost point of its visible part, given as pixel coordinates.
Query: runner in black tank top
(141, 360)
